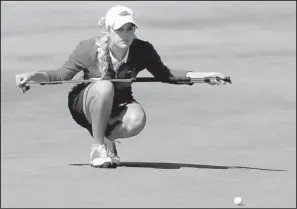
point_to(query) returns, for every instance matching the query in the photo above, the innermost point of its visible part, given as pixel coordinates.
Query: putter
(173, 80)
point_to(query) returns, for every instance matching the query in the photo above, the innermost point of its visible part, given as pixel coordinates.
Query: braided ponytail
(102, 44)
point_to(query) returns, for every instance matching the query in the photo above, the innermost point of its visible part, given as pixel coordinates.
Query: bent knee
(136, 122)
(103, 89)
(98, 94)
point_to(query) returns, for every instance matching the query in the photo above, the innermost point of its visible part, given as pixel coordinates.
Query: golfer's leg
(98, 101)
(130, 122)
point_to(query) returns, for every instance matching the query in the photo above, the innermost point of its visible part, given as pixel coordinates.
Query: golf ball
(237, 200)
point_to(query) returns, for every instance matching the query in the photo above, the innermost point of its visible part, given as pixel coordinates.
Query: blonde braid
(102, 48)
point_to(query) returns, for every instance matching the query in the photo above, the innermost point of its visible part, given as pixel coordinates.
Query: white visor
(118, 16)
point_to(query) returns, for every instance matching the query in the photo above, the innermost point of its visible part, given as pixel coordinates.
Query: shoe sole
(104, 165)
(114, 165)
(115, 162)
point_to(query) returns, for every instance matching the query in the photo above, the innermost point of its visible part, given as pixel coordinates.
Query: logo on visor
(124, 13)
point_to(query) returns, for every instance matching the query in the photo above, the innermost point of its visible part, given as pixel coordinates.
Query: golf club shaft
(173, 80)
(136, 80)
(128, 80)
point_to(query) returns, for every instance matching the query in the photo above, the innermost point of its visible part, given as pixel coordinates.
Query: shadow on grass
(155, 165)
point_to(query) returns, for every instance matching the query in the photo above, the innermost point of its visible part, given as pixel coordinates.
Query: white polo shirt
(116, 63)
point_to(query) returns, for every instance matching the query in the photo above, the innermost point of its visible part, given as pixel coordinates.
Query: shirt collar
(114, 60)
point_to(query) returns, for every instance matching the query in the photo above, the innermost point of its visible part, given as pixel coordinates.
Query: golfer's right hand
(22, 79)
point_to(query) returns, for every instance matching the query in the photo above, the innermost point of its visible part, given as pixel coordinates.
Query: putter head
(24, 88)
(227, 79)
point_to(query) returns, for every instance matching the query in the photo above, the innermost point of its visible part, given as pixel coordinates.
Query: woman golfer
(108, 110)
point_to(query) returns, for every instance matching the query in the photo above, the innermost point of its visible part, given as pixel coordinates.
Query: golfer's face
(123, 36)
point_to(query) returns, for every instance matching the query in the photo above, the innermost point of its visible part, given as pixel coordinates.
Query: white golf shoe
(99, 157)
(112, 152)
